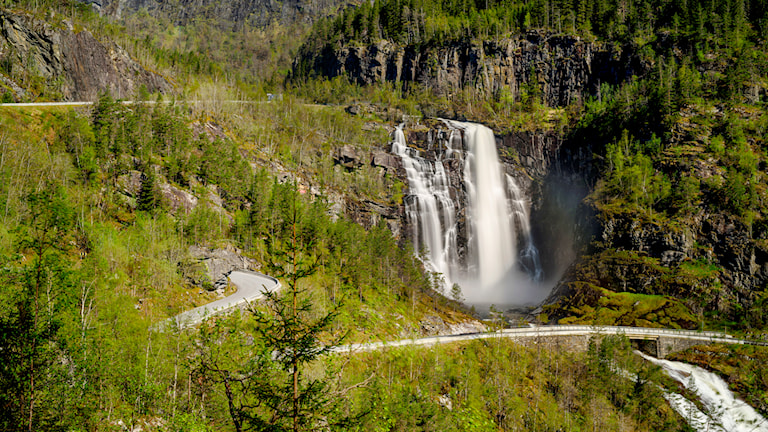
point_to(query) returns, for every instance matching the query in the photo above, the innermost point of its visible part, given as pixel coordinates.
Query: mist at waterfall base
(501, 264)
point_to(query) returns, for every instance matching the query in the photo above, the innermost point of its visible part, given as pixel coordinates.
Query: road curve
(547, 331)
(250, 287)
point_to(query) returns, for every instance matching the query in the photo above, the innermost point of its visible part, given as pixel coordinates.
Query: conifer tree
(273, 392)
(146, 199)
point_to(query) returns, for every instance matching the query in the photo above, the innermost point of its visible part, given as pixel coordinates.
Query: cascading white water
(497, 211)
(492, 241)
(429, 209)
(723, 412)
(529, 256)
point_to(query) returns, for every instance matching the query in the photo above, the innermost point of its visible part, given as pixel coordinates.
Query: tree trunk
(231, 402)
(295, 362)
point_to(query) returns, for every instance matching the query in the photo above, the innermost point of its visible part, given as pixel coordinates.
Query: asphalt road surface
(250, 287)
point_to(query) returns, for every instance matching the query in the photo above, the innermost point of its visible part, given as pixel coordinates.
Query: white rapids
(723, 412)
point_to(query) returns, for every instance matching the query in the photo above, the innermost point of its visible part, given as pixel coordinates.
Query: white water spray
(429, 209)
(722, 411)
(496, 214)
(492, 241)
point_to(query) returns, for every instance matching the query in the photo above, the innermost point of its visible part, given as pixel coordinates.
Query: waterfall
(492, 245)
(518, 209)
(722, 411)
(501, 264)
(429, 209)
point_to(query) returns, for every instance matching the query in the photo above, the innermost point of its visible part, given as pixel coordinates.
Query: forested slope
(657, 108)
(105, 211)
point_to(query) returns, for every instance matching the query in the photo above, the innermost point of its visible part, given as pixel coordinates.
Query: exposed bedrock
(70, 62)
(564, 68)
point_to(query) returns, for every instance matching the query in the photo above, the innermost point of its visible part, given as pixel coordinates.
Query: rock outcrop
(209, 268)
(714, 256)
(72, 63)
(564, 68)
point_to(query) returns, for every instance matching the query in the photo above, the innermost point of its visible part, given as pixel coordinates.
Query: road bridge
(658, 342)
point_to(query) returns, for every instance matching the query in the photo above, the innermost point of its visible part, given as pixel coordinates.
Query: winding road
(250, 287)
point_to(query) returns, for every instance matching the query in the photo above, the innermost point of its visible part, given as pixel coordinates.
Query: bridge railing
(570, 329)
(546, 331)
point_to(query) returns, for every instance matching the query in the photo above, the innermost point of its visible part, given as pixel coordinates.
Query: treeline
(435, 21)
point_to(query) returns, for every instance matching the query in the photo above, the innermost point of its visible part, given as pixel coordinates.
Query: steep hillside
(53, 60)
(229, 14)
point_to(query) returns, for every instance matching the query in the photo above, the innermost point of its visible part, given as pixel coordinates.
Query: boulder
(386, 160)
(348, 157)
(209, 268)
(177, 199)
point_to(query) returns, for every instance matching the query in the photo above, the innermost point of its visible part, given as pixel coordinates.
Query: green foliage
(631, 177)
(38, 298)
(275, 381)
(205, 225)
(495, 384)
(619, 286)
(628, 309)
(147, 199)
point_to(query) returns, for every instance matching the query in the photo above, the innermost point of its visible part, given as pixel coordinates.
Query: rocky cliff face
(709, 257)
(72, 63)
(231, 14)
(713, 266)
(564, 68)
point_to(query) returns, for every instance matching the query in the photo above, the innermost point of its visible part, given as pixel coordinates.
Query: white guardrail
(547, 331)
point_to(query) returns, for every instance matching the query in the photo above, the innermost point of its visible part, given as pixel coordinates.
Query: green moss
(630, 309)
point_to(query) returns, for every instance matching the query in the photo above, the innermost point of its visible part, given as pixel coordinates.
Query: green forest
(102, 206)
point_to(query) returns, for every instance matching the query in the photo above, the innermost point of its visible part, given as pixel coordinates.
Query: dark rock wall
(564, 68)
(724, 241)
(82, 64)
